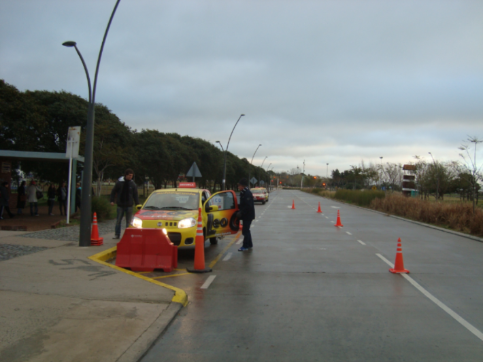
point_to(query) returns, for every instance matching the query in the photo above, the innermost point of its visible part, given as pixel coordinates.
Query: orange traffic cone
(399, 263)
(338, 223)
(95, 239)
(199, 266)
(293, 205)
(319, 210)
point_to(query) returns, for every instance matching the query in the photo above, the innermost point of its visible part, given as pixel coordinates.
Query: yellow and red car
(176, 210)
(260, 194)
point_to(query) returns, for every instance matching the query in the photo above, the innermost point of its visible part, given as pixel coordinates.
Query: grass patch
(103, 208)
(361, 198)
(453, 216)
(72, 222)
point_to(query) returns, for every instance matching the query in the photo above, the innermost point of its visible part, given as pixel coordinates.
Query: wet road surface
(309, 291)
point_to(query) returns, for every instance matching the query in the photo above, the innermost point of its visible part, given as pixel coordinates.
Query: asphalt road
(309, 291)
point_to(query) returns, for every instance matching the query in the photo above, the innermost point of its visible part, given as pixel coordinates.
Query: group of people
(124, 194)
(32, 194)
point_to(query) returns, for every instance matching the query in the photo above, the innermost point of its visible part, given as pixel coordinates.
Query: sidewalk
(58, 305)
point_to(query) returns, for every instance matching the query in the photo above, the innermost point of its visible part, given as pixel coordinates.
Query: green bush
(316, 190)
(361, 198)
(102, 207)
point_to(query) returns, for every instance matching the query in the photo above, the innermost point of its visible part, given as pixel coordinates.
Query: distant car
(260, 194)
(176, 210)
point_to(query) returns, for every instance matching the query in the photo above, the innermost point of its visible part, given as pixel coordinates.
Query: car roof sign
(187, 185)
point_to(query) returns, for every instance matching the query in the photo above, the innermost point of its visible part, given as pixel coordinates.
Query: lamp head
(69, 43)
(241, 115)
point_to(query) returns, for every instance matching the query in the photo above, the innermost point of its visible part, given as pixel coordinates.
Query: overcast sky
(333, 82)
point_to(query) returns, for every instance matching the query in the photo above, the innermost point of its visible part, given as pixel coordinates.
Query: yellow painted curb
(180, 295)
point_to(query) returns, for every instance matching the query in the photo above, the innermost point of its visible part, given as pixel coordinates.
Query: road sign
(374, 188)
(194, 171)
(262, 182)
(253, 180)
(73, 140)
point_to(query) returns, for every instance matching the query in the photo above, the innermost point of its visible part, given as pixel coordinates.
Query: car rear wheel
(263, 202)
(214, 241)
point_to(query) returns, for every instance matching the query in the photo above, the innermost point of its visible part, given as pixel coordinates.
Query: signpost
(194, 171)
(71, 151)
(253, 180)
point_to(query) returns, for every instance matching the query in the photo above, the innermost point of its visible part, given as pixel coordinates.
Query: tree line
(39, 121)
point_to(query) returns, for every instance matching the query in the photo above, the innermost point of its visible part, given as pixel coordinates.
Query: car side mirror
(139, 207)
(212, 208)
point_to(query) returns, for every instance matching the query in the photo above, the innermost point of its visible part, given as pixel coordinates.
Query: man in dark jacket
(126, 191)
(246, 213)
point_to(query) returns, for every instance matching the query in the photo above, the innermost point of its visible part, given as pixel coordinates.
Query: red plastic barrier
(146, 250)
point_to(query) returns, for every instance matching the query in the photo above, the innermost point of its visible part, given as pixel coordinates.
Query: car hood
(175, 215)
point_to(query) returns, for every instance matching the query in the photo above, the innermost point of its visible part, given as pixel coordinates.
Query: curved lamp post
(85, 222)
(437, 177)
(251, 162)
(226, 150)
(261, 166)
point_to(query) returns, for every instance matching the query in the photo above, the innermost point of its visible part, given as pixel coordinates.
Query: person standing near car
(246, 213)
(124, 192)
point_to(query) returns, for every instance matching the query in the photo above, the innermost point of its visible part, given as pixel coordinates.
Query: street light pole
(225, 151)
(86, 200)
(251, 162)
(224, 164)
(262, 167)
(437, 177)
(302, 179)
(381, 169)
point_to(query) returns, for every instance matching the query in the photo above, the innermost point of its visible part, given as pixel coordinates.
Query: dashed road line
(348, 233)
(360, 241)
(227, 257)
(208, 282)
(436, 301)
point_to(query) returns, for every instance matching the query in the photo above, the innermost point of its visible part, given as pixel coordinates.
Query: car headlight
(187, 223)
(137, 222)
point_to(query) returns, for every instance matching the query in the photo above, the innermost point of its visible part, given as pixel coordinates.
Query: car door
(221, 209)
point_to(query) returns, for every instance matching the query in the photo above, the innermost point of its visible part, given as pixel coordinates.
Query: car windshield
(173, 201)
(258, 191)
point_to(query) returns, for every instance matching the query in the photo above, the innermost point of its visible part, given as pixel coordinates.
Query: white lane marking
(239, 241)
(227, 257)
(363, 243)
(436, 301)
(208, 282)
(348, 233)
(332, 221)
(335, 207)
(326, 217)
